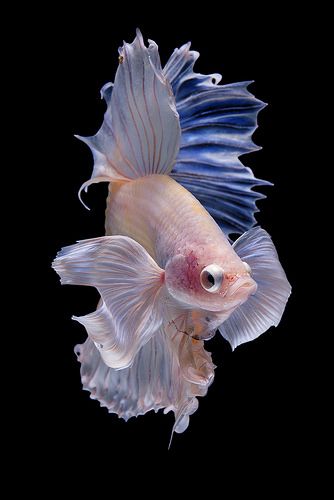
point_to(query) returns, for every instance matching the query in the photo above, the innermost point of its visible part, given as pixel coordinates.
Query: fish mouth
(244, 286)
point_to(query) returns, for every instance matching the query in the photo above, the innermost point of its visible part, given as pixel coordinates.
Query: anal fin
(154, 381)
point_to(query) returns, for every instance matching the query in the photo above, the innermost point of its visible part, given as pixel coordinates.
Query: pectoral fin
(265, 308)
(129, 282)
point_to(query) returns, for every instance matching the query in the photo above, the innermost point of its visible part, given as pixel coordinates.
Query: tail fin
(140, 133)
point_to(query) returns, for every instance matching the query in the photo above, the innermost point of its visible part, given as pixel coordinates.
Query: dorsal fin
(217, 123)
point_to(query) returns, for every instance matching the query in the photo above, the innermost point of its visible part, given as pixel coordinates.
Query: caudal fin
(140, 133)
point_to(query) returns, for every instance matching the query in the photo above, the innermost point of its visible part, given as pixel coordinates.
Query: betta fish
(168, 273)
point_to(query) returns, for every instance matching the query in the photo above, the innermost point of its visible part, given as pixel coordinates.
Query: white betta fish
(166, 270)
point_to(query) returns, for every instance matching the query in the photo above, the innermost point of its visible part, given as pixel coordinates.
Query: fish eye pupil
(210, 279)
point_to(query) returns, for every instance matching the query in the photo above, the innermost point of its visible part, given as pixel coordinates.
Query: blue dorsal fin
(217, 123)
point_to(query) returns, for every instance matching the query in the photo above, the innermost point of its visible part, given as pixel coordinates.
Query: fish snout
(242, 288)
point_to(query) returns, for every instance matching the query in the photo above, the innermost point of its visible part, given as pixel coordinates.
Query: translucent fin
(133, 391)
(217, 123)
(140, 133)
(129, 282)
(265, 308)
(101, 328)
(154, 381)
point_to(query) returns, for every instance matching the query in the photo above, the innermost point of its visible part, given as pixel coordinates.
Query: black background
(252, 414)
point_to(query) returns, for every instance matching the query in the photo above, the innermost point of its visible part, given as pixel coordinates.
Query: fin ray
(140, 133)
(217, 123)
(154, 381)
(265, 308)
(129, 282)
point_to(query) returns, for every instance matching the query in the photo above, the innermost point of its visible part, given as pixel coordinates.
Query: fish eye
(247, 267)
(212, 277)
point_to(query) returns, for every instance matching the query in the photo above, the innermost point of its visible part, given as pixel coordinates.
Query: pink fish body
(181, 237)
(167, 274)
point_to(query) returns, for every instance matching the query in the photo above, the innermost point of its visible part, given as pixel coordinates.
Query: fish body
(177, 231)
(158, 212)
(167, 272)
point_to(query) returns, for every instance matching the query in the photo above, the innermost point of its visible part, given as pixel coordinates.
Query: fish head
(210, 278)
